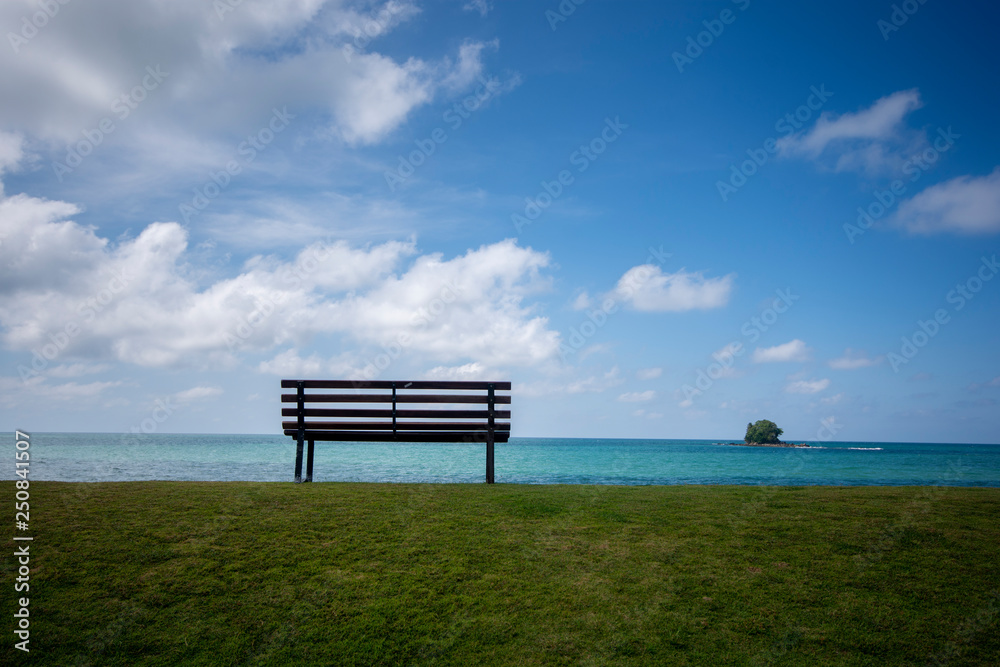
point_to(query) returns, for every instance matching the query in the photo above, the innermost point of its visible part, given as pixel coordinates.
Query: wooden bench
(444, 415)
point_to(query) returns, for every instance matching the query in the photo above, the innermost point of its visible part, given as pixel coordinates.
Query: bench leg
(489, 459)
(309, 462)
(298, 460)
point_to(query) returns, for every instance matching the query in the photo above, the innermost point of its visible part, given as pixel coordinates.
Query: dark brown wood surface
(477, 385)
(416, 436)
(376, 413)
(400, 398)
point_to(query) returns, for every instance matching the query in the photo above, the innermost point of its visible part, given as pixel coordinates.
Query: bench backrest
(418, 411)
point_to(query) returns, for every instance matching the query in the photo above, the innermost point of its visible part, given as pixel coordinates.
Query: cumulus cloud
(225, 68)
(873, 139)
(648, 373)
(289, 364)
(852, 360)
(807, 386)
(11, 153)
(73, 295)
(647, 288)
(964, 205)
(794, 350)
(365, 27)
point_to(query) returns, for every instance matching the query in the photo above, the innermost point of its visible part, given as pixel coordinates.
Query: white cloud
(278, 221)
(647, 288)
(366, 27)
(473, 371)
(224, 73)
(138, 300)
(596, 348)
(289, 364)
(73, 391)
(75, 370)
(595, 384)
(637, 397)
(878, 122)
(11, 153)
(469, 67)
(807, 386)
(726, 356)
(36, 391)
(852, 360)
(833, 400)
(379, 98)
(648, 373)
(872, 140)
(589, 384)
(794, 350)
(582, 301)
(963, 205)
(481, 6)
(467, 307)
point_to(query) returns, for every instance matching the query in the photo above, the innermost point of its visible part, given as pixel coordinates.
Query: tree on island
(764, 432)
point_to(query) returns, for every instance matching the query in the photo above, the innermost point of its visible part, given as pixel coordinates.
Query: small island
(764, 433)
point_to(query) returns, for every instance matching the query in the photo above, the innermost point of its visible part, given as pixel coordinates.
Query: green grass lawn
(359, 574)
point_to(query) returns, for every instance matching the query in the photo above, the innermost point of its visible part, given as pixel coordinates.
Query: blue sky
(657, 219)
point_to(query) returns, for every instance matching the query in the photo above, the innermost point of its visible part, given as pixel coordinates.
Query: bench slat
(415, 436)
(479, 385)
(400, 414)
(400, 398)
(399, 426)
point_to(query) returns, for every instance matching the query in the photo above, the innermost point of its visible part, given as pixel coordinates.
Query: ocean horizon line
(513, 437)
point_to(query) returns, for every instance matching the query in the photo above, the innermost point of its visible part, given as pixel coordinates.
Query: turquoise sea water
(92, 457)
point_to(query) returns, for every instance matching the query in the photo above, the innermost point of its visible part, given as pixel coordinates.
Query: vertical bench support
(309, 461)
(393, 410)
(300, 436)
(490, 436)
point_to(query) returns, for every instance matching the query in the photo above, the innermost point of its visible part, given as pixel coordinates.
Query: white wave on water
(861, 449)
